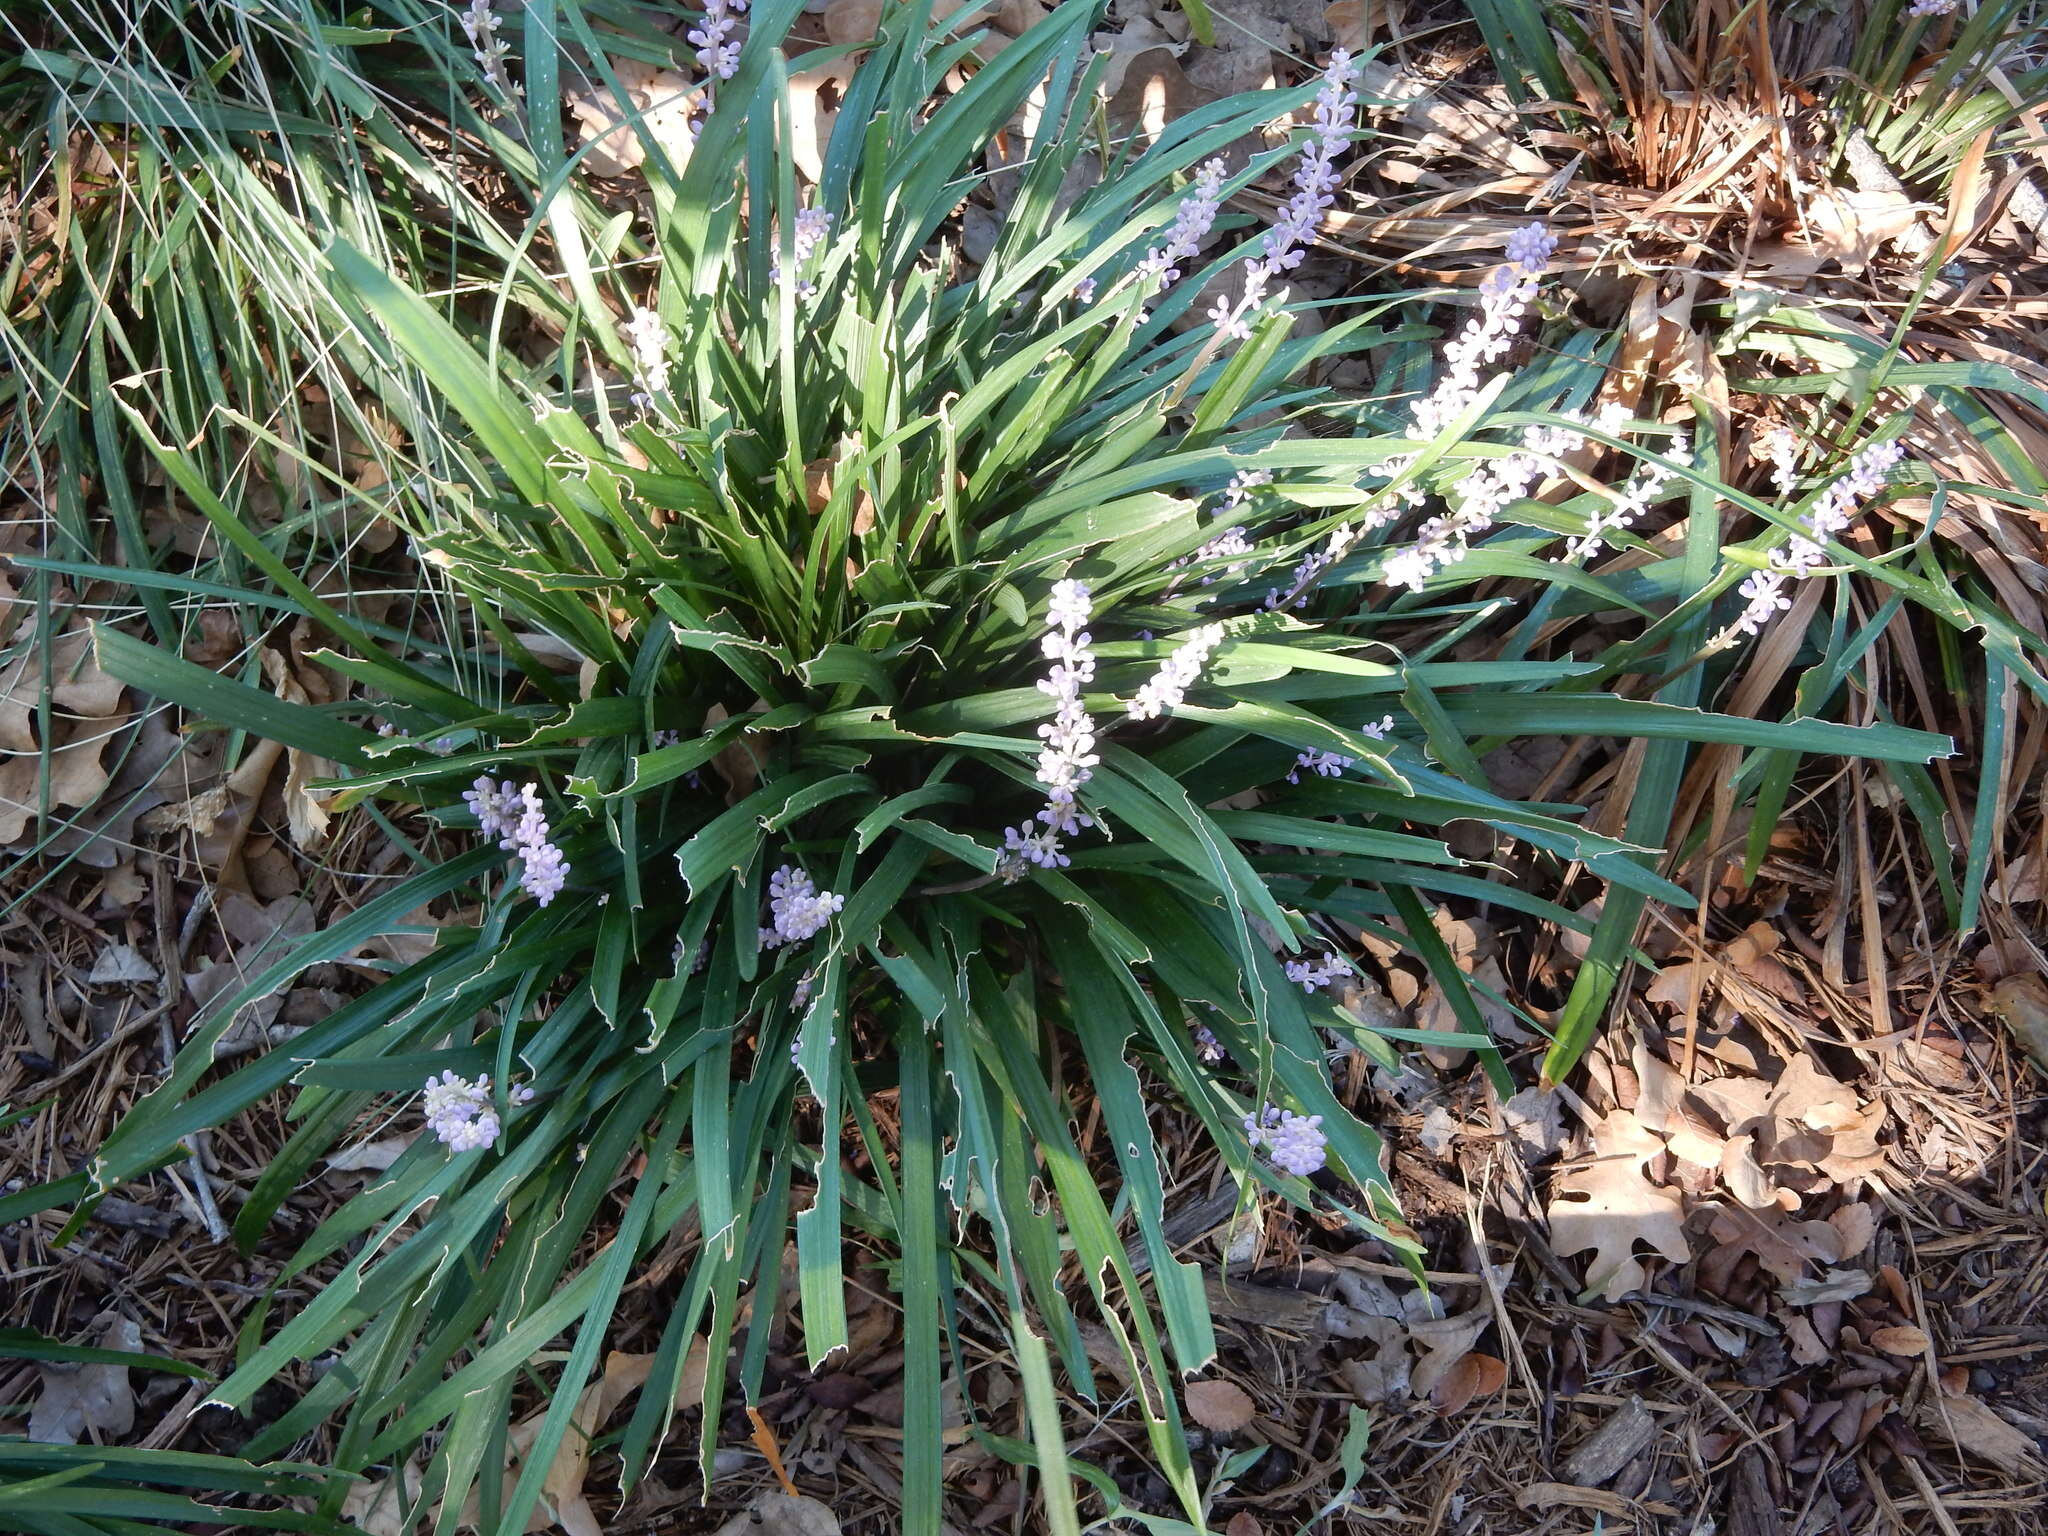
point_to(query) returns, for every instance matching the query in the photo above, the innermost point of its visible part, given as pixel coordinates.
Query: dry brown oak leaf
(1608, 1206)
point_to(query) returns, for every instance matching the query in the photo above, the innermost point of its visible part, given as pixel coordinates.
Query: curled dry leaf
(1473, 1377)
(303, 809)
(1608, 1205)
(1219, 1405)
(2022, 1002)
(88, 1402)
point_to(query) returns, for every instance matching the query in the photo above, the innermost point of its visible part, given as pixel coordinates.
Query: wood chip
(1971, 1426)
(1615, 1444)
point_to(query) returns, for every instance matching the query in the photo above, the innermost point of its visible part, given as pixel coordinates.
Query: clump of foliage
(985, 692)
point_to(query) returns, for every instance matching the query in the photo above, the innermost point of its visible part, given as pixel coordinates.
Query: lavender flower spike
(797, 909)
(1068, 759)
(717, 51)
(1503, 299)
(1170, 684)
(1161, 267)
(1315, 190)
(542, 869)
(813, 227)
(459, 1113)
(1831, 513)
(1293, 1143)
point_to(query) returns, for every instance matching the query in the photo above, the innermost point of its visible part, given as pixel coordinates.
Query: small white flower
(1643, 487)
(813, 227)
(1169, 686)
(649, 339)
(1312, 975)
(1831, 513)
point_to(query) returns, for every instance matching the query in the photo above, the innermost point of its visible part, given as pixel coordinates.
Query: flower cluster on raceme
(1314, 974)
(480, 26)
(1160, 269)
(718, 51)
(797, 909)
(1833, 510)
(1284, 245)
(648, 337)
(1068, 759)
(460, 1113)
(1292, 1143)
(812, 227)
(513, 814)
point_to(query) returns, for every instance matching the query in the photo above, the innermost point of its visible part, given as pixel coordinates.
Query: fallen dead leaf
(1155, 92)
(1608, 1205)
(1548, 1496)
(1354, 23)
(1804, 1344)
(385, 1506)
(1857, 1225)
(1473, 1377)
(1219, 1405)
(92, 1402)
(1903, 1340)
(1851, 227)
(782, 1514)
(370, 1156)
(120, 964)
(85, 715)
(2022, 1002)
(1782, 1245)
(665, 98)
(852, 22)
(260, 934)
